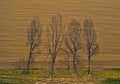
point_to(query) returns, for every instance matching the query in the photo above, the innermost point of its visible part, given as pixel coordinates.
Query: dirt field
(15, 18)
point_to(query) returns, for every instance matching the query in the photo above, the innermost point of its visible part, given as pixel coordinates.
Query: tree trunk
(29, 59)
(89, 65)
(74, 64)
(52, 67)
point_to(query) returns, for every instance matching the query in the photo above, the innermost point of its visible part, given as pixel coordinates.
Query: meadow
(60, 77)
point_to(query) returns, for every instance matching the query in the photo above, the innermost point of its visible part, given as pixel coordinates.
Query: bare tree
(34, 39)
(73, 43)
(54, 38)
(91, 43)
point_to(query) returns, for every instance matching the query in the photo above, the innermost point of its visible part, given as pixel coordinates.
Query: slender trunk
(74, 64)
(29, 59)
(52, 67)
(89, 65)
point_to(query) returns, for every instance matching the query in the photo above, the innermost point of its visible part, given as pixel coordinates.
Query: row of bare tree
(70, 42)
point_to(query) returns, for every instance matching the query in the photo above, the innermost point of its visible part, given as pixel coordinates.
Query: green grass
(13, 77)
(108, 74)
(4, 82)
(16, 77)
(111, 81)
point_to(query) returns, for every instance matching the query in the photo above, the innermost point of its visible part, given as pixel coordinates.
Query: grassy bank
(111, 81)
(16, 77)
